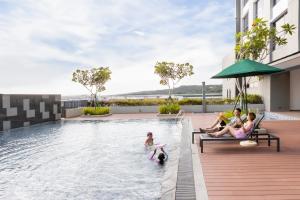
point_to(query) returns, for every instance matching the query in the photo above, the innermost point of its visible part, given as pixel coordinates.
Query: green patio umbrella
(246, 68)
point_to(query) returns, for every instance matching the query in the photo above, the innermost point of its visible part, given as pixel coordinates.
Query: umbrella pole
(236, 102)
(242, 92)
(245, 97)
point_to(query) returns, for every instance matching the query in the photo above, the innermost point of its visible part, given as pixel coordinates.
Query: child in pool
(162, 155)
(149, 140)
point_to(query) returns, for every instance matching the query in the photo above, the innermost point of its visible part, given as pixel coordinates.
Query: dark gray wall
(17, 110)
(280, 92)
(72, 104)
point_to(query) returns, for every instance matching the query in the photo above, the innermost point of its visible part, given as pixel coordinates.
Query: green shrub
(254, 99)
(219, 101)
(214, 101)
(135, 102)
(163, 109)
(190, 101)
(96, 111)
(169, 108)
(174, 108)
(228, 101)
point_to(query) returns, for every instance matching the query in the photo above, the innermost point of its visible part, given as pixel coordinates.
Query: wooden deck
(235, 172)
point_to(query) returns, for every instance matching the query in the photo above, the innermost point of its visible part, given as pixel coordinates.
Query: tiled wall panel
(18, 110)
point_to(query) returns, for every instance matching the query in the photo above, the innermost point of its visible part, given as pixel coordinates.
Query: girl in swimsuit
(149, 140)
(238, 133)
(162, 155)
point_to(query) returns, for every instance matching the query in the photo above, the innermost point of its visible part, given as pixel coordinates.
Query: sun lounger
(255, 137)
(204, 137)
(243, 118)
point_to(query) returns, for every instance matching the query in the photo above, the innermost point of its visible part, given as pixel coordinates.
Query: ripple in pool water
(84, 160)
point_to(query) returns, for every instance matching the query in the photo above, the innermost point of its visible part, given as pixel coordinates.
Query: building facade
(18, 110)
(280, 92)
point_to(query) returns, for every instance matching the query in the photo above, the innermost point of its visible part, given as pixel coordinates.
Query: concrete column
(203, 97)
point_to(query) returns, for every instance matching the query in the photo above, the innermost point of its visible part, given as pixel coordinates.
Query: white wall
(228, 84)
(292, 18)
(295, 90)
(73, 112)
(279, 8)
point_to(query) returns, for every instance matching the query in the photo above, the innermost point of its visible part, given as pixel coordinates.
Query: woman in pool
(162, 155)
(149, 140)
(238, 133)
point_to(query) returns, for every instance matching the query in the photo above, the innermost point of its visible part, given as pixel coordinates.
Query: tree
(258, 42)
(93, 80)
(171, 73)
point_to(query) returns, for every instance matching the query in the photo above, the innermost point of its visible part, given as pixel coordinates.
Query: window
(277, 24)
(275, 2)
(245, 23)
(258, 8)
(245, 2)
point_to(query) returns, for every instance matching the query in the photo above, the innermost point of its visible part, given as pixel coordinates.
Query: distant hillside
(185, 89)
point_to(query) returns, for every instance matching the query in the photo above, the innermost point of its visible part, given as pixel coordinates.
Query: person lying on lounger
(220, 122)
(238, 133)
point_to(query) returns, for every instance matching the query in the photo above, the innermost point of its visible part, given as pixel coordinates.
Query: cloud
(43, 42)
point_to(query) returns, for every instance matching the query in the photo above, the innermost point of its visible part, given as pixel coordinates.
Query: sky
(42, 42)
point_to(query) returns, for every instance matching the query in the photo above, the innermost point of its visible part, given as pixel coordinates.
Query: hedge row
(169, 109)
(96, 111)
(252, 99)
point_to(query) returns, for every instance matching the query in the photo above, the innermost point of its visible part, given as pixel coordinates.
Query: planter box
(133, 109)
(218, 108)
(89, 116)
(72, 112)
(192, 108)
(167, 115)
(221, 108)
(186, 108)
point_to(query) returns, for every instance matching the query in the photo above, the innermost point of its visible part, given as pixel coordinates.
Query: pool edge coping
(170, 194)
(200, 186)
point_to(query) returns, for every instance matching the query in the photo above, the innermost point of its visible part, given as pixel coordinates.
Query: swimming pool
(84, 160)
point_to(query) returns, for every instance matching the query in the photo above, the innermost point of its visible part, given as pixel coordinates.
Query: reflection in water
(83, 160)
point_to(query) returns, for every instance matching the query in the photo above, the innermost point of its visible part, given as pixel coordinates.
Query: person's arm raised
(154, 152)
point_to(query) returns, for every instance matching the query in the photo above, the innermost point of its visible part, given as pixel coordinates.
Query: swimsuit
(232, 121)
(240, 134)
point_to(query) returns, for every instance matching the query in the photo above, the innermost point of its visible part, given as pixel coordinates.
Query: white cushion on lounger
(248, 143)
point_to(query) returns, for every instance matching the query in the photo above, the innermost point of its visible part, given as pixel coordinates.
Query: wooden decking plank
(250, 193)
(253, 197)
(255, 188)
(233, 172)
(256, 183)
(229, 180)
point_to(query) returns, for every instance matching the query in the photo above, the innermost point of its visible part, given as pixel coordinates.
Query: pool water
(84, 160)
